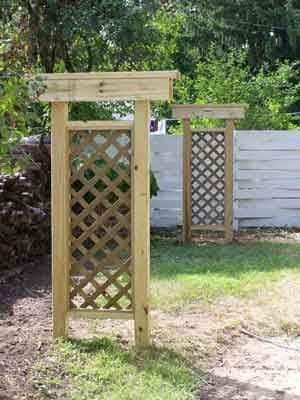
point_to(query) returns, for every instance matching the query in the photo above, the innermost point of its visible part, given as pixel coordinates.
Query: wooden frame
(108, 86)
(141, 87)
(229, 112)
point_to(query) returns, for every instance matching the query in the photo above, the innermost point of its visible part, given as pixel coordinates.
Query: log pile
(25, 211)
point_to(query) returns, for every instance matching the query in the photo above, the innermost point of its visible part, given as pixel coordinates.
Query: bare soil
(256, 370)
(25, 329)
(231, 365)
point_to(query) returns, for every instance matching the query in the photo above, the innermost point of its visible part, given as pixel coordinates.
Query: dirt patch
(255, 370)
(272, 235)
(207, 335)
(276, 235)
(25, 330)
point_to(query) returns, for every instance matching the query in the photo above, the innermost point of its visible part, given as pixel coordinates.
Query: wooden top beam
(99, 125)
(108, 86)
(218, 111)
(112, 75)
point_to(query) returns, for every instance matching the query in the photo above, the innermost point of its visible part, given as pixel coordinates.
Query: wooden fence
(266, 179)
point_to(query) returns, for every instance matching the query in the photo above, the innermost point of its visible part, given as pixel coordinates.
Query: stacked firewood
(25, 211)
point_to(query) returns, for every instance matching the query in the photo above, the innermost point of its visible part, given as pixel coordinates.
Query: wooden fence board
(275, 183)
(267, 155)
(269, 165)
(264, 176)
(280, 140)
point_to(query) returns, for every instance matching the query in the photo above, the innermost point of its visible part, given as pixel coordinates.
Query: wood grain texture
(141, 221)
(100, 125)
(103, 314)
(60, 193)
(267, 178)
(100, 217)
(172, 74)
(187, 181)
(216, 228)
(110, 86)
(228, 194)
(207, 179)
(217, 111)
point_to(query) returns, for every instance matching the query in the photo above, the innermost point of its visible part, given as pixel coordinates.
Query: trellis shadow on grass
(104, 368)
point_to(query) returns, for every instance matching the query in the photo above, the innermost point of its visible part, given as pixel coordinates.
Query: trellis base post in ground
(187, 148)
(60, 199)
(140, 221)
(228, 195)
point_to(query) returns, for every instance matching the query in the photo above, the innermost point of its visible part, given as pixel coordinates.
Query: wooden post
(228, 197)
(60, 198)
(140, 226)
(186, 181)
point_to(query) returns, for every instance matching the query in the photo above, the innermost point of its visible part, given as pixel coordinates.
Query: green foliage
(19, 114)
(268, 30)
(203, 40)
(14, 96)
(270, 94)
(12, 114)
(154, 187)
(87, 111)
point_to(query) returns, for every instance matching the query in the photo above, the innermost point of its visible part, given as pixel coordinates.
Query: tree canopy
(228, 51)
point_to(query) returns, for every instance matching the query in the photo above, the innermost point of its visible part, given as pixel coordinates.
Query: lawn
(105, 369)
(183, 274)
(102, 369)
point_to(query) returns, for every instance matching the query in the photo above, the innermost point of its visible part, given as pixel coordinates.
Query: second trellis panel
(208, 168)
(207, 175)
(205, 165)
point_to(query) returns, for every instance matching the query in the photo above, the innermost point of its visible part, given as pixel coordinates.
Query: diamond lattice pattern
(100, 220)
(207, 178)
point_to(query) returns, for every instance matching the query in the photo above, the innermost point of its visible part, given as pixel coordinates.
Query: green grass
(103, 370)
(183, 274)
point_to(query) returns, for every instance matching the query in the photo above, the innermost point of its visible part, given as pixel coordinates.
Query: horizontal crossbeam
(99, 125)
(100, 314)
(112, 86)
(217, 111)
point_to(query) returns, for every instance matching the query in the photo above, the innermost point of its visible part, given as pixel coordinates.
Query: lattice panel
(207, 178)
(100, 220)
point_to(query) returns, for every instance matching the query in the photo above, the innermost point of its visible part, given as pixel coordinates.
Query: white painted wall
(266, 179)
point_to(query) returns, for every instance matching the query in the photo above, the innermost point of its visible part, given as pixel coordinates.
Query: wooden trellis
(100, 273)
(100, 199)
(208, 169)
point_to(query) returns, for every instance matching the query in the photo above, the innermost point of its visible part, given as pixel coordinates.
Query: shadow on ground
(25, 327)
(33, 282)
(224, 388)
